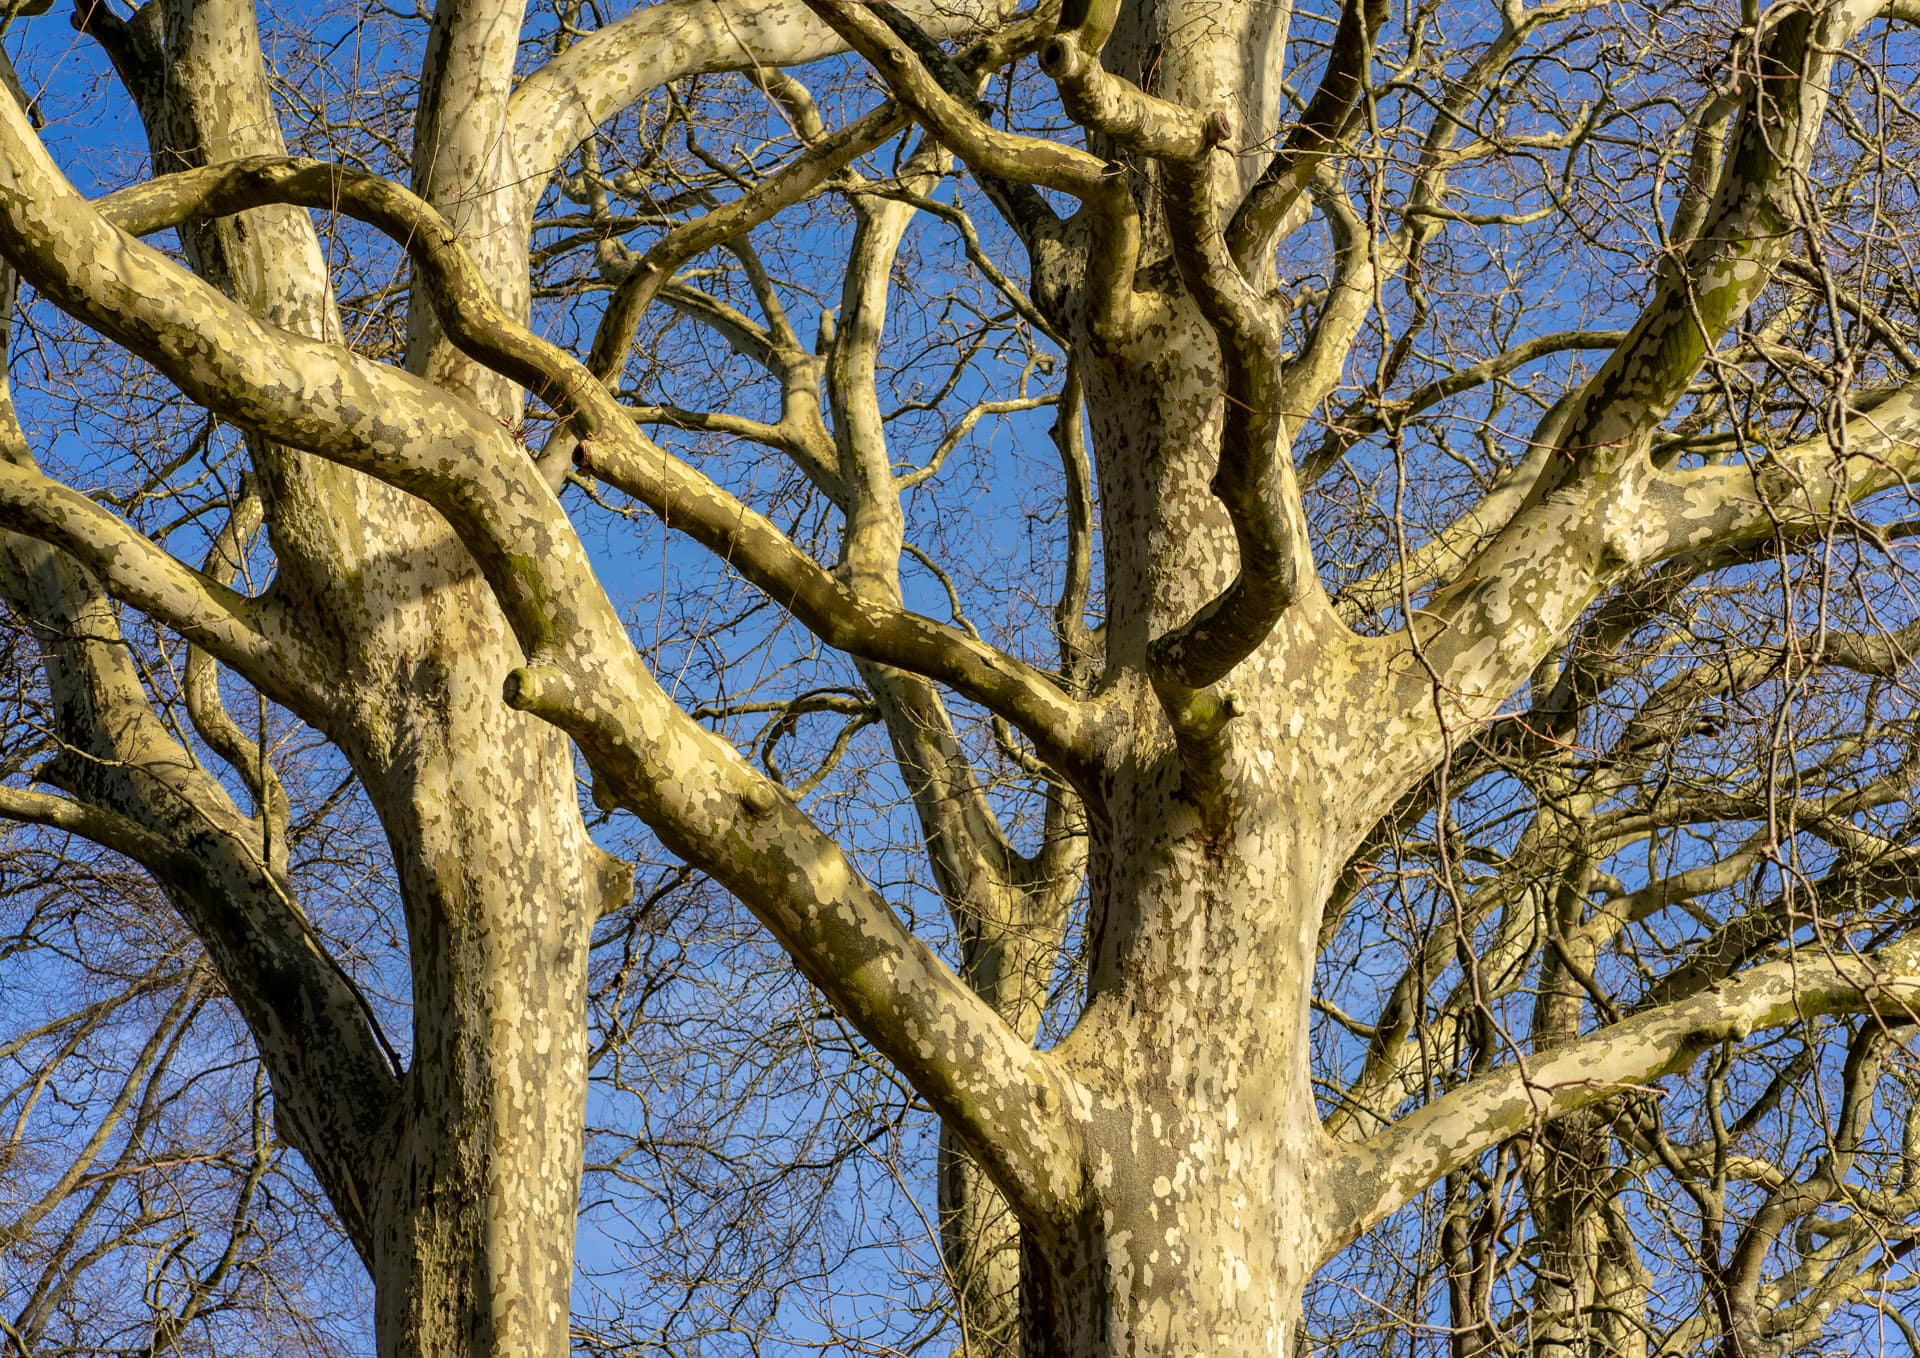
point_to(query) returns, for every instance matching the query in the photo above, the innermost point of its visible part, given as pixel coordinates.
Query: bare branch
(614, 450)
(1425, 1145)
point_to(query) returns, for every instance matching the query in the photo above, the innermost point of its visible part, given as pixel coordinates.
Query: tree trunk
(476, 1189)
(1201, 1225)
(474, 1227)
(1098, 1298)
(1194, 1233)
(980, 1245)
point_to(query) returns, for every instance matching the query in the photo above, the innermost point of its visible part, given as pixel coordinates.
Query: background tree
(1298, 621)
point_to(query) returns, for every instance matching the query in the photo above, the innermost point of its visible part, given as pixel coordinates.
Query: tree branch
(1415, 1152)
(1313, 138)
(1116, 108)
(1716, 275)
(611, 447)
(1254, 480)
(995, 155)
(1799, 488)
(789, 185)
(1365, 418)
(252, 635)
(201, 688)
(558, 106)
(138, 793)
(583, 674)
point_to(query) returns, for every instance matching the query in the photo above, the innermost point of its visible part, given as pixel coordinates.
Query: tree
(1460, 691)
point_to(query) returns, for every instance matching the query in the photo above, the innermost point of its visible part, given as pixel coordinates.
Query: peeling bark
(1218, 762)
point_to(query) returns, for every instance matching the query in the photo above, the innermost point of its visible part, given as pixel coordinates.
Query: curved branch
(943, 105)
(1255, 480)
(1121, 111)
(705, 802)
(611, 447)
(1601, 506)
(558, 106)
(140, 794)
(1004, 155)
(249, 634)
(1405, 1159)
(110, 830)
(201, 688)
(1709, 284)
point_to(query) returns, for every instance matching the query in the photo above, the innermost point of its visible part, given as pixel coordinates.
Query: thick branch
(1716, 276)
(613, 449)
(558, 106)
(962, 129)
(1414, 1153)
(583, 675)
(1255, 480)
(1121, 111)
(1798, 489)
(1587, 517)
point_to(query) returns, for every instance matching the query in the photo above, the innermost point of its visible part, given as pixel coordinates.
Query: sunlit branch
(559, 105)
(1313, 138)
(582, 674)
(245, 756)
(961, 128)
(1255, 478)
(1119, 110)
(250, 634)
(614, 450)
(1429, 1143)
(995, 155)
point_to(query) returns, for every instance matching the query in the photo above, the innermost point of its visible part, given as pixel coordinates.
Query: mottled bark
(1163, 1176)
(1201, 1224)
(469, 1188)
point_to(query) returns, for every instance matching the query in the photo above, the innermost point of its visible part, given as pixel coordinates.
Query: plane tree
(1428, 808)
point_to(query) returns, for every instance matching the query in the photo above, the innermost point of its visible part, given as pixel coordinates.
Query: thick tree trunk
(1205, 1213)
(1098, 1298)
(1202, 1222)
(474, 1242)
(476, 1190)
(475, 1223)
